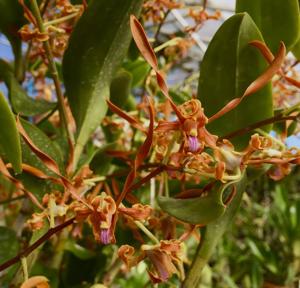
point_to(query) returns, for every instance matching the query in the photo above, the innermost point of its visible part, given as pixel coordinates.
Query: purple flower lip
(193, 143)
(105, 236)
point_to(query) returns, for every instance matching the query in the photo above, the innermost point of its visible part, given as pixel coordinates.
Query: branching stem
(36, 244)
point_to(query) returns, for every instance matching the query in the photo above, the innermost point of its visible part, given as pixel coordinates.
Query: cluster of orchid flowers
(184, 148)
(58, 27)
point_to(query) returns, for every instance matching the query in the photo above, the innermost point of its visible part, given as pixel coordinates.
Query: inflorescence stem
(53, 69)
(36, 244)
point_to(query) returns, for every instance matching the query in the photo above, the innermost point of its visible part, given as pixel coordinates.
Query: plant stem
(36, 244)
(18, 65)
(25, 269)
(160, 26)
(53, 70)
(60, 20)
(9, 200)
(277, 118)
(146, 231)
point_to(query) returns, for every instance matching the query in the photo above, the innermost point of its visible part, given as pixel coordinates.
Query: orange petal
(36, 282)
(137, 211)
(164, 126)
(268, 55)
(140, 38)
(132, 121)
(145, 148)
(264, 49)
(141, 41)
(257, 84)
(47, 160)
(141, 155)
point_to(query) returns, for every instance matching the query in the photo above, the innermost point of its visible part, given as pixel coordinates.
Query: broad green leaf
(9, 136)
(229, 65)
(9, 244)
(20, 101)
(43, 142)
(296, 47)
(200, 210)
(296, 50)
(9, 247)
(11, 20)
(213, 232)
(96, 48)
(278, 20)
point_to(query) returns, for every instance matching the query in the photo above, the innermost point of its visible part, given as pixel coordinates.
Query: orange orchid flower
(166, 258)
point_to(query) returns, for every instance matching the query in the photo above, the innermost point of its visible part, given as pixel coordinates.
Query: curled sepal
(200, 210)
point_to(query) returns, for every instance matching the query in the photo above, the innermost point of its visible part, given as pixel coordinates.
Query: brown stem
(147, 178)
(160, 25)
(277, 118)
(44, 6)
(36, 244)
(9, 200)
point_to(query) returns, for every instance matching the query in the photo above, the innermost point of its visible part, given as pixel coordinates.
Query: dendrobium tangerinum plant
(181, 149)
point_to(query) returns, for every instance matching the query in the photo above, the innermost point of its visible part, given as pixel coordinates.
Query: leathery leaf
(9, 136)
(200, 210)
(229, 65)
(296, 47)
(96, 48)
(278, 20)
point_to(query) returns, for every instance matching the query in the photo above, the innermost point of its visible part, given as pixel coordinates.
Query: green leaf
(230, 64)
(42, 141)
(200, 210)
(20, 101)
(296, 47)
(78, 250)
(213, 232)
(296, 50)
(11, 20)
(139, 69)
(278, 20)
(9, 247)
(9, 136)
(96, 48)
(120, 88)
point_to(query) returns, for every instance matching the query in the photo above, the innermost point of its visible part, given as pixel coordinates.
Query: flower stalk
(53, 70)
